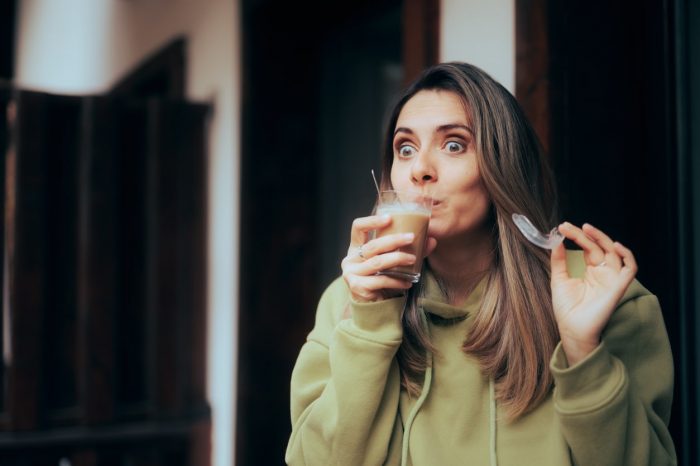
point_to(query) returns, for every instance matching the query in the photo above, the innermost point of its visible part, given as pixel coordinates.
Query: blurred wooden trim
(421, 36)
(24, 247)
(532, 61)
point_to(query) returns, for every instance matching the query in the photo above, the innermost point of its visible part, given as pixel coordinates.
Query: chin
(435, 232)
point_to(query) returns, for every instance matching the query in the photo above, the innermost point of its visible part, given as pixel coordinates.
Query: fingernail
(385, 217)
(408, 236)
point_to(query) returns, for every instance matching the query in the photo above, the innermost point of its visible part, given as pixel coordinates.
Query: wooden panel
(189, 123)
(421, 36)
(163, 312)
(26, 281)
(532, 64)
(176, 173)
(96, 273)
(7, 123)
(131, 393)
(59, 136)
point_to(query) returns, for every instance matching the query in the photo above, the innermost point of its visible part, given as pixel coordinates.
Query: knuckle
(367, 250)
(350, 280)
(376, 262)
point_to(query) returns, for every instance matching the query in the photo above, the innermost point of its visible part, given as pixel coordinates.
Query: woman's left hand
(583, 306)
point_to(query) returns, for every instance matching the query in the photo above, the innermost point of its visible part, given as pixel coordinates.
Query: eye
(405, 151)
(454, 147)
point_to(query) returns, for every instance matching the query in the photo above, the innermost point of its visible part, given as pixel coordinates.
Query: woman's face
(434, 151)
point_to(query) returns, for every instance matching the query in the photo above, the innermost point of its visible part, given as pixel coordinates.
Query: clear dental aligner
(549, 241)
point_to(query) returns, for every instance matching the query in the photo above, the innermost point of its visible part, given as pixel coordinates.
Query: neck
(460, 263)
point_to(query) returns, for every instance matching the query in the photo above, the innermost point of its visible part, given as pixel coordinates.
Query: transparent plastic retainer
(548, 241)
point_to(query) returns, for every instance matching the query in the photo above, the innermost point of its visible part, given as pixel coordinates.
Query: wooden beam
(96, 271)
(24, 264)
(421, 36)
(532, 65)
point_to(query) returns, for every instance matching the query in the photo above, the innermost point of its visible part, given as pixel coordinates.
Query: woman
(502, 354)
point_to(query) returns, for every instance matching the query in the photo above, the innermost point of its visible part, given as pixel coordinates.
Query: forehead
(433, 108)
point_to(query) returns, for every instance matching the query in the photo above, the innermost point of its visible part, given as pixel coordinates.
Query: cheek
(470, 186)
(475, 200)
(397, 176)
(481, 197)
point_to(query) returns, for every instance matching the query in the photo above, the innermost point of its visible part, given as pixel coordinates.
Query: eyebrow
(440, 129)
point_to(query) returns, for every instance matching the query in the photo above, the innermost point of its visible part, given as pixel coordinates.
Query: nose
(423, 170)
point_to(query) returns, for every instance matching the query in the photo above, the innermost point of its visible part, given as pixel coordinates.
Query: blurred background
(179, 179)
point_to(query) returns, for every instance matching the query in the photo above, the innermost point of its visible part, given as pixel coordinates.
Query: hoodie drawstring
(412, 415)
(492, 422)
(421, 399)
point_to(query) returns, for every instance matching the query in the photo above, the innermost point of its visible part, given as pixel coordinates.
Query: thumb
(558, 263)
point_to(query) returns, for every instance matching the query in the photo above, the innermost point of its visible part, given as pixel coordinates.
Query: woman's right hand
(366, 258)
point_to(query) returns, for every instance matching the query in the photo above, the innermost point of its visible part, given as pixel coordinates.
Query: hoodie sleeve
(345, 384)
(614, 406)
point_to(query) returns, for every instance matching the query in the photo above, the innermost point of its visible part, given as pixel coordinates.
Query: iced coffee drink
(410, 213)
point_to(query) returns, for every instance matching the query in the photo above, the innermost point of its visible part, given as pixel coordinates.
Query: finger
(383, 262)
(363, 225)
(355, 254)
(558, 263)
(592, 252)
(386, 244)
(374, 287)
(612, 258)
(629, 268)
(601, 238)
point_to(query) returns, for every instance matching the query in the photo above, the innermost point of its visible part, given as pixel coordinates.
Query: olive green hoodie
(348, 408)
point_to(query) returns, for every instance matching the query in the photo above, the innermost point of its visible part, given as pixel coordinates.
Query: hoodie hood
(433, 300)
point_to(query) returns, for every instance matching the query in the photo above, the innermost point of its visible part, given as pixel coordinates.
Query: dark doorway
(315, 92)
(605, 101)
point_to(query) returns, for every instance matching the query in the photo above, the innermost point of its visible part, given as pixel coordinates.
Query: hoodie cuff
(378, 321)
(589, 385)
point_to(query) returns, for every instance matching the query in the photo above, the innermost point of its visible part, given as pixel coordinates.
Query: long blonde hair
(514, 333)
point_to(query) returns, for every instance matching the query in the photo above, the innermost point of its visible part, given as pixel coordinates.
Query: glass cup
(410, 213)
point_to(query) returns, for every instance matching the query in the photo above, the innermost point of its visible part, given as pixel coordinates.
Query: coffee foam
(402, 207)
